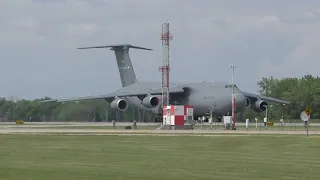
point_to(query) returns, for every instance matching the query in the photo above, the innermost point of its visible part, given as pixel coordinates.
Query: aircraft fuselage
(202, 96)
(219, 99)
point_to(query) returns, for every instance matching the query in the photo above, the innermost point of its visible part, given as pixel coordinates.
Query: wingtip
(85, 48)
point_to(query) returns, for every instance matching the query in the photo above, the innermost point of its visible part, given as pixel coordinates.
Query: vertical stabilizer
(124, 63)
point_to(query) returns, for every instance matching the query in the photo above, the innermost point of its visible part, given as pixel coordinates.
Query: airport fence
(288, 126)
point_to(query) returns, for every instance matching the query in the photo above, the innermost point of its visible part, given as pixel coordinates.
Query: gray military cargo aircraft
(147, 95)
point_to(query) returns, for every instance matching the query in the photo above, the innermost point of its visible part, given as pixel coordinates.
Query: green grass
(143, 157)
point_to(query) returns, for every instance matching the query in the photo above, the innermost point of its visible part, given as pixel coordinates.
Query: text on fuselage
(208, 97)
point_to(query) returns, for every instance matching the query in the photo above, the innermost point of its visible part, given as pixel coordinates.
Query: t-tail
(125, 67)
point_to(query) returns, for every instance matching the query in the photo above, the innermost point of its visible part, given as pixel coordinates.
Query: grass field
(48, 157)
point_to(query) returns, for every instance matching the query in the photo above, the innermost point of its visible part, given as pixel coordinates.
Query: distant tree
(301, 92)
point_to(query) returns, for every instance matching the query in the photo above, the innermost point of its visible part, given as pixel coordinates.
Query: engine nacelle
(259, 106)
(150, 101)
(248, 104)
(119, 104)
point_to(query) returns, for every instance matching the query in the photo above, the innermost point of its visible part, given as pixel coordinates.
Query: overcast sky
(38, 41)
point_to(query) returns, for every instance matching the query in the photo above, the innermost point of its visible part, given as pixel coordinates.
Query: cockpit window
(230, 86)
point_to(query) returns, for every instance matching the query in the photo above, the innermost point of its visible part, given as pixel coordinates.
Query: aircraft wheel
(219, 119)
(158, 119)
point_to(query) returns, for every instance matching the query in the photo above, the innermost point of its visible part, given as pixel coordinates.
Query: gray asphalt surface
(29, 130)
(62, 124)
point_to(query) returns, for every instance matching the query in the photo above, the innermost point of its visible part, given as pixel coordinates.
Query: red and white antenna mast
(165, 68)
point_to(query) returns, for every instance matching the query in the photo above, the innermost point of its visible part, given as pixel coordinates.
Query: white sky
(38, 41)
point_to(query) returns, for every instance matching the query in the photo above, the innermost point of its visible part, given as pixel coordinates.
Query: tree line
(301, 92)
(12, 109)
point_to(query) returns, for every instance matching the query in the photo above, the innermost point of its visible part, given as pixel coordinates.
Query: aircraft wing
(255, 96)
(120, 93)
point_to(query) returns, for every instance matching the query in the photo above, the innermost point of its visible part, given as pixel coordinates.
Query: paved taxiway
(74, 124)
(62, 128)
(28, 130)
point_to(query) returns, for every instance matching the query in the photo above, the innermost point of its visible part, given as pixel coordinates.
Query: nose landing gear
(219, 119)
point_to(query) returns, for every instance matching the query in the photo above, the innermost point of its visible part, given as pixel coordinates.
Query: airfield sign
(304, 116)
(308, 110)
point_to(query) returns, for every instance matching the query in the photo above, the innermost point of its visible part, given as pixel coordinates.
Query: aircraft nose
(240, 101)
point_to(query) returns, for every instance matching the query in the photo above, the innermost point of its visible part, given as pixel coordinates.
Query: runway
(96, 124)
(88, 131)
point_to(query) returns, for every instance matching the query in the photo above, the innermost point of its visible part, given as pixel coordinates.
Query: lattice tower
(165, 68)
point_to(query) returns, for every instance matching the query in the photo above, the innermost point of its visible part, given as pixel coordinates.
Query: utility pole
(211, 118)
(234, 118)
(267, 112)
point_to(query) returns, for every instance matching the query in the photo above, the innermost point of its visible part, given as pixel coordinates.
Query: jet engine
(248, 104)
(150, 101)
(259, 106)
(119, 104)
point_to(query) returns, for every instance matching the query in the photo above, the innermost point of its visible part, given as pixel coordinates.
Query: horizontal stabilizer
(117, 45)
(49, 100)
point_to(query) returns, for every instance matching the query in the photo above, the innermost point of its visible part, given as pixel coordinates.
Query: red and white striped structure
(165, 68)
(176, 115)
